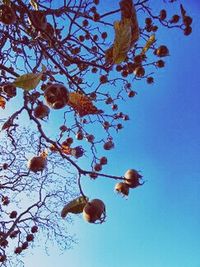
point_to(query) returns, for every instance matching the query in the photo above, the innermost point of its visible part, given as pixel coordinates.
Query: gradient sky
(159, 224)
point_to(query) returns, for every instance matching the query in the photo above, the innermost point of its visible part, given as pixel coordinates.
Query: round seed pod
(7, 15)
(56, 96)
(94, 211)
(37, 164)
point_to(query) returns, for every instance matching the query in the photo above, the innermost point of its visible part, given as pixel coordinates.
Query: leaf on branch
(148, 44)
(29, 81)
(34, 4)
(109, 55)
(75, 206)
(82, 104)
(127, 32)
(128, 12)
(122, 40)
(2, 102)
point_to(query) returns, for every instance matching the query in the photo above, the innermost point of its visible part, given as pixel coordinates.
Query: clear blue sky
(158, 226)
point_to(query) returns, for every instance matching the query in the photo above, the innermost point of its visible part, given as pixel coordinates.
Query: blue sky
(158, 225)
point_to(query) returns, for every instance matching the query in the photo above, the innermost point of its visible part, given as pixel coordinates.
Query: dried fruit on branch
(2, 102)
(9, 90)
(41, 111)
(56, 96)
(94, 211)
(82, 104)
(37, 163)
(122, 188)
(132, 178)
(75, 206)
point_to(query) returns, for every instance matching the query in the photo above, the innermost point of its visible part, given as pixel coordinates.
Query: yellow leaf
(82, 104)
(122, 40)
(148, 44)
(75, 206)
(28, 81)
(2, 102)
(34, 4)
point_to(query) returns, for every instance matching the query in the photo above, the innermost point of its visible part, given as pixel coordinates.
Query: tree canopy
(66, 70)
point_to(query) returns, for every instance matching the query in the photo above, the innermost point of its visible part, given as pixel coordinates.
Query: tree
(72, 64)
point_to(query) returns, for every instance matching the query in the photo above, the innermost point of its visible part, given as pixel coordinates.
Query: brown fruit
(5, 200)
(163, 14)
(150, 80)
(160, 63)
(29, 237)
(122, 188)
(7, 15)
(18, 250)
(97, 167)
(132, 178)
(90, 138)
(187, 30)
(9, 90)
(56, 96)
(14, 234)
(103, 161)
(79, 136)
(81, 38)
(139, 71)
(108, 100)
(3, 243)
(104, 35)
(96, 17)
(94, 70)
(69, 141)
(103, 79)
(63, 128)
(175, 19)
(37, 163)
(131, 93)
(93, 175)
(5, 166)
(2, 257)
(34, 229)
(108, 145)
(114, 107)
(148, 21)
(24, 245)
(162, 51)
(138, 59)
(41, 111)
(13, 214)
(187, 21)
(85, 23)
(94, 211)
